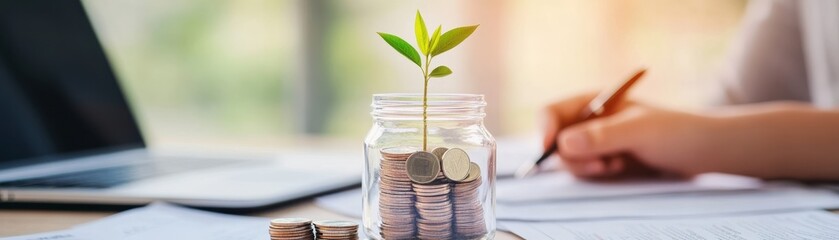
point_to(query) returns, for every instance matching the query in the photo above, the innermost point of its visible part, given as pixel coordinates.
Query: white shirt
(786, 50)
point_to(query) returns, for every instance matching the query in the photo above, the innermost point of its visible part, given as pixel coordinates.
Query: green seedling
(429, 47)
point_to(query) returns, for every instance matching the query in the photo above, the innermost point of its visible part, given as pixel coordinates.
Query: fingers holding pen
(591, 149)
(563, 114)
(599, 137)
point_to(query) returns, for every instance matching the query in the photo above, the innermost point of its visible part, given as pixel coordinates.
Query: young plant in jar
(430, 48)
(430, 194)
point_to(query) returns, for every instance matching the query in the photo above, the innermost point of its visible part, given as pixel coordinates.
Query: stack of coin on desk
(291, 228)
(301, 228)
(443, 189)
(336, 230)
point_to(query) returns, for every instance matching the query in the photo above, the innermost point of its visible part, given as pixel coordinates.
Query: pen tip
(525, 171)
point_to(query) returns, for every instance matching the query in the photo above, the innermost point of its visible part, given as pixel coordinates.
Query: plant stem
(425, 116)
(425, 103)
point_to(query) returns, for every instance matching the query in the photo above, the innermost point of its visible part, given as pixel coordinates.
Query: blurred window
(265, 71)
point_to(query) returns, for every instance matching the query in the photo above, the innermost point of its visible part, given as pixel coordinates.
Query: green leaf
(452, 38)
(435, 38)
(422, 34)
(402, 47)
(440, 71)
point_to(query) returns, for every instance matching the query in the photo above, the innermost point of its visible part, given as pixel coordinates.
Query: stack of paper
(559, 196)
(811, 224)
(562, 186)
(557, 206)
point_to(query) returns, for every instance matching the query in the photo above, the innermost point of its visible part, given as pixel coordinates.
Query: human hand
(630, 140)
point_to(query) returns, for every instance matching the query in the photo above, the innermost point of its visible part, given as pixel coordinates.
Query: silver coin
(474, 172)
(456, 164)
(423, 167)
(439, 152)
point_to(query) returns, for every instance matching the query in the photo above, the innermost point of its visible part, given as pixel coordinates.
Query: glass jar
(404, 195)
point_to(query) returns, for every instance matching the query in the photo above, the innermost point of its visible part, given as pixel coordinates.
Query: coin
(291, 228)
(456, 164)
(398, 152)
(474, 172)
(435, 216)
(335, 224)
(290, 222)
(422, 198)
(396, 195)
(335, 229)
(439, 152)
(423, 167)
(468, 211)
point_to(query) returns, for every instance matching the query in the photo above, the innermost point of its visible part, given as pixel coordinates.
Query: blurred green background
(265, 72)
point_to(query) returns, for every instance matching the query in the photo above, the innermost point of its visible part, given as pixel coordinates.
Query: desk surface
(20, 222)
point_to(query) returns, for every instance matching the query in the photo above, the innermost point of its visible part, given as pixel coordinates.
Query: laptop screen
(58, 94)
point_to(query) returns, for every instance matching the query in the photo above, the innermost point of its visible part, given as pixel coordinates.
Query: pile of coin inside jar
(302, 228)
(430, 195)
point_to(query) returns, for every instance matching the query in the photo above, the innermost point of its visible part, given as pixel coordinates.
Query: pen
(595, 108)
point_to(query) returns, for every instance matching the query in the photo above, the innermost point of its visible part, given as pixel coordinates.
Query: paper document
(514, 152)
(815, 225)
(684, 204)
(627, 201)
(163, 221)
(556, 199)
(563, 186)
(57, 235)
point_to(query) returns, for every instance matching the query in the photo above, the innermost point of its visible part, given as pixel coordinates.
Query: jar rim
(441, 106)
(452, 98)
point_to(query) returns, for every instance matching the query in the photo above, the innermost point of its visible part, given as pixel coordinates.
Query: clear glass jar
(402, 197)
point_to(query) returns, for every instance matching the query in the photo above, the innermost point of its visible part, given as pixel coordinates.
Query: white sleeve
(766, 61)
(820, 34)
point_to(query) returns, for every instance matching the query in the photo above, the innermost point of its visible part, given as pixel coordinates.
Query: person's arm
(778, 140)
(773, 140)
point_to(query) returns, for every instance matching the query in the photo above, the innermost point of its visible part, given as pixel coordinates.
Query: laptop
(68, 136)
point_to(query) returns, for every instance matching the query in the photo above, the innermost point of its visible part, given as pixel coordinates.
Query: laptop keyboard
(113, 176)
